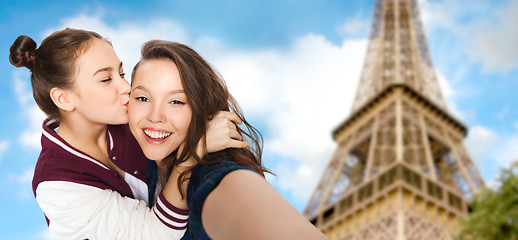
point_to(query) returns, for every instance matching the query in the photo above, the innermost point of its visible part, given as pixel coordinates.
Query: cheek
(99, 99)
(131, 115)
(135, 113)
(183, 120)
(132, 123)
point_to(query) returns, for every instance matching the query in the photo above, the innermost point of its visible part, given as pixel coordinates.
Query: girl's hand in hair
(221, 134)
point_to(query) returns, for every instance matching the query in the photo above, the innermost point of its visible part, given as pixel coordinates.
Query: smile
(156, 134)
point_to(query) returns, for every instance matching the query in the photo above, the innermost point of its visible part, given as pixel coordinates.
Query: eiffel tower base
(400, 203)
(400, 225)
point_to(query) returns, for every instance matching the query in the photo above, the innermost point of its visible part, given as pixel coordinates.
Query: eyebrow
(106, 69)
(170, 92)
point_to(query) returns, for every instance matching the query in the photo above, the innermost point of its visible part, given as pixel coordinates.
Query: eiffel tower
(400, 170)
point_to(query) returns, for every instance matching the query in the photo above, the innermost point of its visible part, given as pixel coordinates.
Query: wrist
(201, 148)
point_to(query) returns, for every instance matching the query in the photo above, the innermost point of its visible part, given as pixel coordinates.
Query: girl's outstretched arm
(245, 206)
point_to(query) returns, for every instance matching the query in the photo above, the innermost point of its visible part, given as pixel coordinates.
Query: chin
(154, 156)
(118, 122)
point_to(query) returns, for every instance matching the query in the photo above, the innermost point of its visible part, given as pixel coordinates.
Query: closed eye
(106, 80)
(177, 102)
(122, 75)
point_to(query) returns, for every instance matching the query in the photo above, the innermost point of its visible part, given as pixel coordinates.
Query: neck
(83, 134)
(168, 159)
(163, 169)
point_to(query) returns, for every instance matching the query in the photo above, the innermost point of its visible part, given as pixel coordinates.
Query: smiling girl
(174, 94)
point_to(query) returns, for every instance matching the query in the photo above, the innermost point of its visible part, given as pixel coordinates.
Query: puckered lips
(155, 136)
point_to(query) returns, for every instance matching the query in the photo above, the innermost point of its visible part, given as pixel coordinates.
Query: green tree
(494, 211)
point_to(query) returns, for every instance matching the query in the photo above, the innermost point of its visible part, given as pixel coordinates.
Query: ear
(61, 98)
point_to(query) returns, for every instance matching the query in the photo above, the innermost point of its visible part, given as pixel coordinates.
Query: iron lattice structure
(400, 170)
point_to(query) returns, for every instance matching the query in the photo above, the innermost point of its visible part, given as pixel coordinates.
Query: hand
(222, 133)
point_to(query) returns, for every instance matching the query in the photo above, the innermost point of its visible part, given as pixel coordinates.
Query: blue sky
(293, 66)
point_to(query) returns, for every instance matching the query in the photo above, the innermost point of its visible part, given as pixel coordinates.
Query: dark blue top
(152, 176)
(203, 180)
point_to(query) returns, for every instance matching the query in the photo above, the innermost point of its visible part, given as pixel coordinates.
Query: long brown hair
(52, 64)
(207, 94)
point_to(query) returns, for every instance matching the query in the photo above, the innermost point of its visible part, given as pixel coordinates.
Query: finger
(230, 116)
(238, 144)
(234, 134)
(231, 125)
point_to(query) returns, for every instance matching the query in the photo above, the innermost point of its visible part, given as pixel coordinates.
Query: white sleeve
(78, 211)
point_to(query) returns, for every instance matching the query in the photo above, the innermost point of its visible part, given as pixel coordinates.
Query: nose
(125, 87)
(156, 112)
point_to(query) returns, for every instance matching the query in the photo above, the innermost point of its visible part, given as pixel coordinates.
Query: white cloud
(4, 145)
(480, 141)
(26, 176)
(439, 14)
(449, 94)
(23, 178)
(355, 26)
(450, 15)
(301, 180)
(491, 150)
(30, 136)
(488, 37)
(494, 40)
(44, 234)
(21, 87)
(24, 181)
(507, 152)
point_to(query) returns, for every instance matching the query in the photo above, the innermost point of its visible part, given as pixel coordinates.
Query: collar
(49, 126)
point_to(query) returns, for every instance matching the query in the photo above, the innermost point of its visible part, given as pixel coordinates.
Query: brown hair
(207, 94)
(52, 64)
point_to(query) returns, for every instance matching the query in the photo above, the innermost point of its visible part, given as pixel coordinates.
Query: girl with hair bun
(91, 179)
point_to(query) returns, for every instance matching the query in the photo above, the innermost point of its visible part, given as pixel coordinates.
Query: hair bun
(23, 52)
